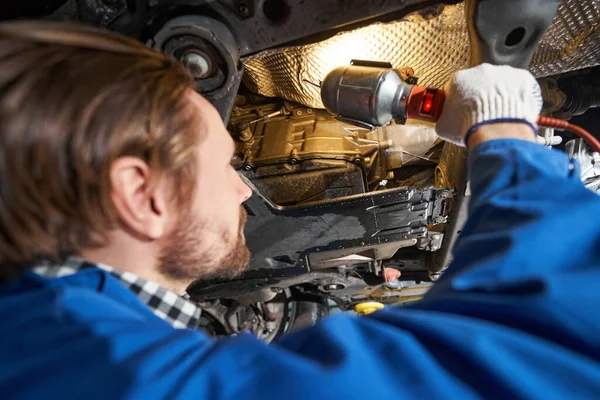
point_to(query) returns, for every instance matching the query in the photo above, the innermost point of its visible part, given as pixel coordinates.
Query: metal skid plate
(355, 221)
(282, 240)
(433, 41)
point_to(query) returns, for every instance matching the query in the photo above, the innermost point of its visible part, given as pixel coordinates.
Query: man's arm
(529, 211)
(529, 254)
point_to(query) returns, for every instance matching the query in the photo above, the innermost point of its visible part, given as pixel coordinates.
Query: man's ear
(141, 208)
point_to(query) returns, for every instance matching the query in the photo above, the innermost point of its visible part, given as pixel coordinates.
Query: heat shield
(433, 42)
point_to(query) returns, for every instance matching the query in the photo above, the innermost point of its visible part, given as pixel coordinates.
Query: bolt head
(243, 9)
(434, 276)
(197, 64)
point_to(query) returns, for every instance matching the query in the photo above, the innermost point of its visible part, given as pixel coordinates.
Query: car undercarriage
(343, 214)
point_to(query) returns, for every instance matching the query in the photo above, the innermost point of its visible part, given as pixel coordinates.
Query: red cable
(559, 124)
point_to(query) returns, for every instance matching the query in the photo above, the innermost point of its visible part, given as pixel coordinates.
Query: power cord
(547, 122)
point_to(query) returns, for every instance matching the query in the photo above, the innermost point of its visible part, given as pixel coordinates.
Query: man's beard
(187, 257)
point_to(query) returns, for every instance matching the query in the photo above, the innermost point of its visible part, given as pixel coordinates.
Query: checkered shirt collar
(178, 310)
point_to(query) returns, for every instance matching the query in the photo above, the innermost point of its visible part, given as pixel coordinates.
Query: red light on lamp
(428, 102)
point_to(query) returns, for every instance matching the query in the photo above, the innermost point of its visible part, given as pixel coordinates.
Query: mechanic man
(116, 191)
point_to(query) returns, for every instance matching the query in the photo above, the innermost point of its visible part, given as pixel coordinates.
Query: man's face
(207, 240)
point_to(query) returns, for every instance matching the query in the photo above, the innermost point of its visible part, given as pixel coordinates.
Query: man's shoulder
(88, 304)
(86, 296)
(77, 332)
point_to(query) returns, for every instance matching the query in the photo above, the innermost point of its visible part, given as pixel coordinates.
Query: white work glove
(487, 94)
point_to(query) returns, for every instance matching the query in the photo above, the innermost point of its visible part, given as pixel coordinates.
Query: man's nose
(244, 190)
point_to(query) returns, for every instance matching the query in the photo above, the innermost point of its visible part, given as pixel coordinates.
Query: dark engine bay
(345, 214)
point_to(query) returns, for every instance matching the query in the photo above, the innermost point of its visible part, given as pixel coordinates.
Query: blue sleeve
(515, 316)
(530, 217)
(529, 254)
